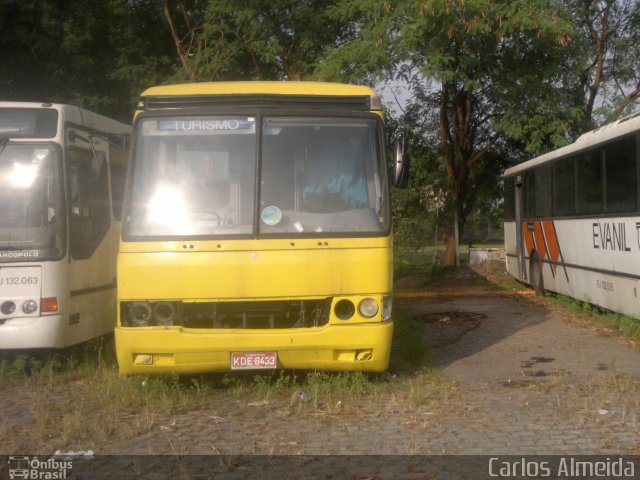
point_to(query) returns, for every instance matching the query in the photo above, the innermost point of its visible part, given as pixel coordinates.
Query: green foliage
(257, 40)
(490, 83)
(419, 210)
(96, 55)
(334, 389)
(274, 382)
(482, 75)
(408, 351)
(604, 70)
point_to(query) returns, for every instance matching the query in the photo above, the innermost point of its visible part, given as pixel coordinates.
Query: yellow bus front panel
(262, 269)
(180, 350)
(305, 304)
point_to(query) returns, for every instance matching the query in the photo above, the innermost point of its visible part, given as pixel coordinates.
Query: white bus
(572, 218)
(62, 176)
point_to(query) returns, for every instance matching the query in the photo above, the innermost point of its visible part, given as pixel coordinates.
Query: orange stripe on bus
(539, 238)
(552, 240)
(528, 238)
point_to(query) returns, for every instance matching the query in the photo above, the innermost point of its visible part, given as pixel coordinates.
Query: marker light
(387, 307)
(29, 307)
(49, 305)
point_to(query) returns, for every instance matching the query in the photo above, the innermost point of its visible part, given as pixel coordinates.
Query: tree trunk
(458, 219)
(450, 251)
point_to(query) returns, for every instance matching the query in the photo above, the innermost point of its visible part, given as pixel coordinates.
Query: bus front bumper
(355, 347)
(20, 333)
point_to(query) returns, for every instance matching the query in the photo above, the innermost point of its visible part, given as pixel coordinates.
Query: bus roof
(273, 88)
(204, 94)
(587, 140)
(80, 116)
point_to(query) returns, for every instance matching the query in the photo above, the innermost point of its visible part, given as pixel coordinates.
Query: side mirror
(401, 163)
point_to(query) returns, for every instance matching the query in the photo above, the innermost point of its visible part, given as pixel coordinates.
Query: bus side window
(89, 202)
(621, 176)
(543, 185)
(509, 199)
(564, 193)
(589, 182)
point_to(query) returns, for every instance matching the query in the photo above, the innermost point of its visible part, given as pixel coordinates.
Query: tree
(95, 54)
(481, 72)
(607, 57)
(251, 40)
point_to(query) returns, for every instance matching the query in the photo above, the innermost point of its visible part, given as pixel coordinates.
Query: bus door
(91, 251)
(520, 248)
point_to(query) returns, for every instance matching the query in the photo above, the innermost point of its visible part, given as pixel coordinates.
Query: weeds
(75, 399)
(629, 327)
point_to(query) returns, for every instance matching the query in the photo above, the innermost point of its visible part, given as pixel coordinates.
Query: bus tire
(537, 280)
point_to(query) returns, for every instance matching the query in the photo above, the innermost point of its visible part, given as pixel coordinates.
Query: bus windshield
(31, 202)
(197, 176)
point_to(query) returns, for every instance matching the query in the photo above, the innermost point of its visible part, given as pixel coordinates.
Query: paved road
(539, 383)
(520, 380)
(515, 379)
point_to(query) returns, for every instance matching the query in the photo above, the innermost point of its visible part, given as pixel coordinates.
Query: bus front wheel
(537, 282)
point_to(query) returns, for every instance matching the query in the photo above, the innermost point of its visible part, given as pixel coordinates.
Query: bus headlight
(344, 309)
(140, 314)
(8, 307)
(368, 307)
(29, 307)
(164, 313)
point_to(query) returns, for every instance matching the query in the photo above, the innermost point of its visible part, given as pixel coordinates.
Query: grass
(420, 269)
(50, 399)
(628, 327)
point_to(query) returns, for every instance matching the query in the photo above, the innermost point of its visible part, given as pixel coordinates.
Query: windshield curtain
(195, 176)
(322, 175)
(32, 220)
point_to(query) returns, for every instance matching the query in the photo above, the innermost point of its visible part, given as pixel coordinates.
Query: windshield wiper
(3, 143)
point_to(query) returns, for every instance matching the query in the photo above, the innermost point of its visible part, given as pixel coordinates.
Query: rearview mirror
(401, 163)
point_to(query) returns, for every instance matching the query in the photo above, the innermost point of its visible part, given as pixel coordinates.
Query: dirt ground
(518, 377)
(522, 379)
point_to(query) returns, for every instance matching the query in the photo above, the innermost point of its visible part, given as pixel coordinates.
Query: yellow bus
(257, 230)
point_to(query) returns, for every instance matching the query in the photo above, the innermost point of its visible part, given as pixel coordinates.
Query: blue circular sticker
(271, 215)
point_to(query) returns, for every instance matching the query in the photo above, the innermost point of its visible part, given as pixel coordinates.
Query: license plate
(253, 360)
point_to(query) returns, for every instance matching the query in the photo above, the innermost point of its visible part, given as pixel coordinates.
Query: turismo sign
(208, 125)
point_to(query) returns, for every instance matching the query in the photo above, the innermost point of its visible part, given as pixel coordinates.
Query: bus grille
(220, 315)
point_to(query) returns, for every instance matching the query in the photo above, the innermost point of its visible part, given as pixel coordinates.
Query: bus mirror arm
(74, 137)
(401, 163)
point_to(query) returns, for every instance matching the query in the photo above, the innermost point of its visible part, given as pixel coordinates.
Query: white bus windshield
(28, 122)
(196, 176)
(31, 202)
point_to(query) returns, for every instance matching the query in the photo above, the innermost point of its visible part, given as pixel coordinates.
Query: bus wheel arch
(535, 272)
